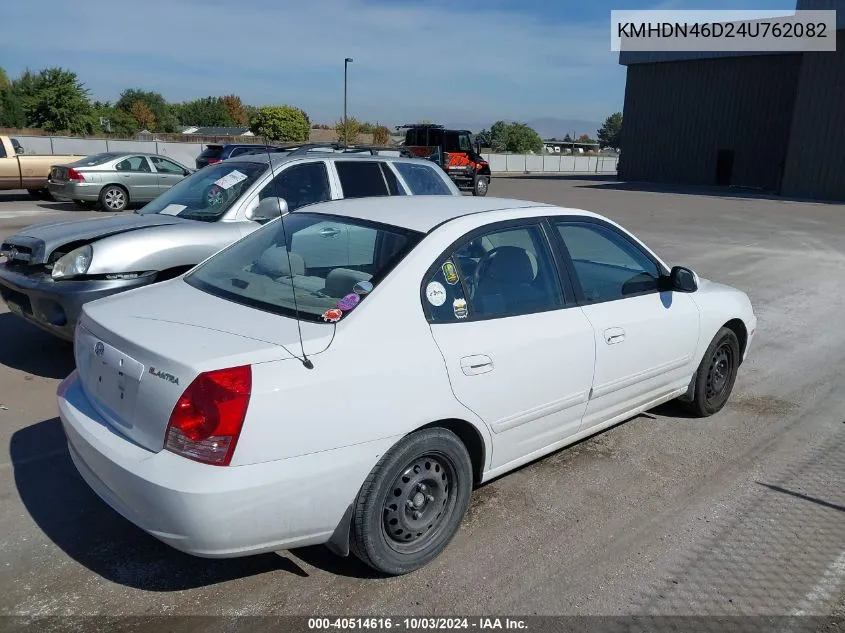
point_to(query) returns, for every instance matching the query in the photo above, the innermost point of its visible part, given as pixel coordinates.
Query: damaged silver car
(52, 269)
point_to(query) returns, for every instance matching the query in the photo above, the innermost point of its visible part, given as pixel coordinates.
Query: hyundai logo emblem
(13, 254)
(99, 349)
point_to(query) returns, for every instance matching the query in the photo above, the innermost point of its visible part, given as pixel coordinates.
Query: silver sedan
(113, 180)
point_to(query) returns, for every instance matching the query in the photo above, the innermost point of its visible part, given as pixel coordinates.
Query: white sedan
(347, 374)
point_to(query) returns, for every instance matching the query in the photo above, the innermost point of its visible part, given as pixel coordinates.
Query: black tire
(714, 380)
(40, 194)
(480, 185)
(412, 503)
(114, 198)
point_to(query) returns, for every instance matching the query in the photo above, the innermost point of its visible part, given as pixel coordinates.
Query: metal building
(774, 122)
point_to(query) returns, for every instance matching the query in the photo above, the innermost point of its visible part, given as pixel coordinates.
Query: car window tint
(238, 151)
(167, 166)
(422, 179)
(502, 273)
(361, 179)
(133, 163)
(299, 185)
(2, 151)
(608, 265)
(392, 181)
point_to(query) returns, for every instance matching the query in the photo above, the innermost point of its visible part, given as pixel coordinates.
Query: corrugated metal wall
(678, 115)
(815, 167)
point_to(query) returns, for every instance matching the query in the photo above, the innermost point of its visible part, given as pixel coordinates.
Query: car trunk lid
(136, 353)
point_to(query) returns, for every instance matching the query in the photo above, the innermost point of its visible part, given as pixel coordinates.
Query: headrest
(274, 262)
(511, 264)
(340, 281)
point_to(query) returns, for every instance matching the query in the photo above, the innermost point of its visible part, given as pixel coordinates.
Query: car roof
(279, 157)
(424, 213)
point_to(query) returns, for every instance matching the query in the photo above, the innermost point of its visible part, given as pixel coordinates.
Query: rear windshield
(208, 193)
(212, 151)
(95, 159)
(326, 262)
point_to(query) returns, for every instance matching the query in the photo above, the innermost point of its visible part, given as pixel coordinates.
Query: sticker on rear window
(333, 315)
(348, 302)
(450, 272)
(362, 288)
(435, 293)
(230, 179)
(173, 209)
(460, 308)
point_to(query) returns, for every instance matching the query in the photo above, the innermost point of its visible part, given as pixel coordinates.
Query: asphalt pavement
(742, 513)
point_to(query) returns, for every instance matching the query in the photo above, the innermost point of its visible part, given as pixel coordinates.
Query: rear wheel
(412, 503)
(716, 375)
(40, 194)
(114, 198)
(480, 185)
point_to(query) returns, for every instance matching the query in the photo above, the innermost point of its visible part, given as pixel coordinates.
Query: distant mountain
(547, 127)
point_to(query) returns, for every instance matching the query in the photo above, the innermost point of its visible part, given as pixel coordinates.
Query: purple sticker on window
(348, 302)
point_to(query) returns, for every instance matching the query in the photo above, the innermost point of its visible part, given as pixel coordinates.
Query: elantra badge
(164, 375)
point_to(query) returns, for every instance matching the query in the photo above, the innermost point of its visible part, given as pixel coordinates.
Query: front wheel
(412, 503)
(716, 375)
(114, 198)
(480, 185)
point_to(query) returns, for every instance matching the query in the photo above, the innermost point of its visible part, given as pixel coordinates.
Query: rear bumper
(214, 511)
(87, 191)
(55, 306)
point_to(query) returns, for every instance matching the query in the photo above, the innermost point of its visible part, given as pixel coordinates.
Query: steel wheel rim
(482, 185)
(419, 503)
(719, 372)
(115, 199)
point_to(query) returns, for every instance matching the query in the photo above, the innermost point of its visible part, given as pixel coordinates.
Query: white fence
(186, 154)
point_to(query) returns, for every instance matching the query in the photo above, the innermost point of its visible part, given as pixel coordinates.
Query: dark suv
(215, 153)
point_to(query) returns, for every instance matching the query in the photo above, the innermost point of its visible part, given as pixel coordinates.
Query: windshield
(331, 263)
(207, 194)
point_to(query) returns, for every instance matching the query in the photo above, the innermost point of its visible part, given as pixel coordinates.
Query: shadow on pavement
(609, 178)
(87, 530)
(28, 349)
(693, 190)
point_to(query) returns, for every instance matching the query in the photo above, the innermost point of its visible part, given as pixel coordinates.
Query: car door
(168, 173)
(136, 174)
(518, 351)
(645, 338)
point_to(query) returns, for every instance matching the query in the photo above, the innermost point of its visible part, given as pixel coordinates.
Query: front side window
(361, 179)
(133, 163)
(318, 259)
(608, 265)
(208, 193)
(299, 185)
(166, 166)
(422, 179)
(507, 272)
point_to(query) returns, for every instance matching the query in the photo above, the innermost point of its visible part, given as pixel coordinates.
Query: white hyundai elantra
(346, 375)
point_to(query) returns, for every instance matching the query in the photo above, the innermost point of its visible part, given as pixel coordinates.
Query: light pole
(345, 126)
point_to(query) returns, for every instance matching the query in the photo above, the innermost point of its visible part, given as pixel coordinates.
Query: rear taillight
(206, 421)
(72, 174)
(211, 161)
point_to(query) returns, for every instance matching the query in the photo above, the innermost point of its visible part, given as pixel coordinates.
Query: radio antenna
(306, 362)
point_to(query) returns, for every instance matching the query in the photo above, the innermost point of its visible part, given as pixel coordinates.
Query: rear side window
(423, 180)
(133, 163)
(361, 179)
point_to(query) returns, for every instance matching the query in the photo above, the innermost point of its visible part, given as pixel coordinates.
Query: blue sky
(433, 59)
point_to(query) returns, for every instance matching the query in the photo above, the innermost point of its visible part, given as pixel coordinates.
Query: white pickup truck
(27, 171)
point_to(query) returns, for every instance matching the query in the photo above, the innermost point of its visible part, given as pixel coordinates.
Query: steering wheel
(481, 268)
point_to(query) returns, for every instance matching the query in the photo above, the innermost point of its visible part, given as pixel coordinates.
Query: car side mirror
(187, 172)
(268, 209)
(682, 279)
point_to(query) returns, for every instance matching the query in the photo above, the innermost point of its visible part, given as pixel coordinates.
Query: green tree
(381, 135)
(349, 133)
(567, 139)
(165, 120)
(522, 139)
(58, 102)
(499, 136)
(105, 118)
(235, 107)
(4, 79)
(280, 123)
(205, 112)
(611, 130)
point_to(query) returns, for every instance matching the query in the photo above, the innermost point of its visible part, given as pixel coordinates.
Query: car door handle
(478, 364)
(329, 232)
(614, 335)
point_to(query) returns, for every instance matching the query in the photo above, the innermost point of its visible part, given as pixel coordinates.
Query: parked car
(51, 269)
(113, 180)
(216, 153)
(289, 392)
(27, 171)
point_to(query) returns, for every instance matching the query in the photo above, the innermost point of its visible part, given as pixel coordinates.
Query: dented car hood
(43, 238)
